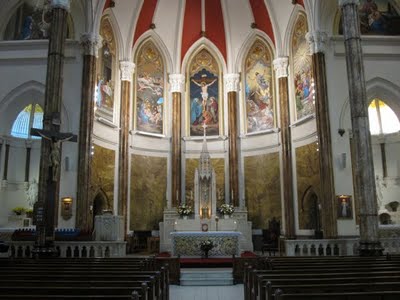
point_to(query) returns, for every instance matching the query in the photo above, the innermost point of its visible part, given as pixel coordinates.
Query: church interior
(212, 134)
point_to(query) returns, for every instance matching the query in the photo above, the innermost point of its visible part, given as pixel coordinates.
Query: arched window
(302, 70)
(32, 21)
(30, 117)
(259, 88)
(149, 89)
(382, 119)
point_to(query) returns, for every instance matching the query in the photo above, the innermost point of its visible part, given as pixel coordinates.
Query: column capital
(348, 2)
(90, 43)
(127, 69)
(176, 83)
(317, 41)
(63, 4)
(232, 82)
(281, 66)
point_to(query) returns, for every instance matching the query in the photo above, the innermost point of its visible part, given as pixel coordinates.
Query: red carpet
(206, 262)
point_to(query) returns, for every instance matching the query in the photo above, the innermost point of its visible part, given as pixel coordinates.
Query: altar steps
(206, 277)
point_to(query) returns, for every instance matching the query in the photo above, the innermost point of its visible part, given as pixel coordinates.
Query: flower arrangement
(206, 245)
(185, 210)
(226, 209)
(19, 210)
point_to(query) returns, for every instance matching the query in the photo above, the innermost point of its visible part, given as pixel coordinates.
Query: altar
(187, 243)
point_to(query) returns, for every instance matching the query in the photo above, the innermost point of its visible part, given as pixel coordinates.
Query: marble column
(6, 158)
(364, 186)
(177, 85)
(232, 87)
(46, 207)
(28, 144)
(317, 42)
(281, 71)
(127, 69)
(90, 44)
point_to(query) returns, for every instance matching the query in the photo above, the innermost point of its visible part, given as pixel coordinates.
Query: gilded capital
(317, 41)
(231, 82)
(281, 66)
(177, 83)
(63, 4)
(348, 2)
(127, 69)
(91, 43)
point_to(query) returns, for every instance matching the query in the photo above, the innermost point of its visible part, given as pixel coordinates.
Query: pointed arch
(297, 9)
(258, 81)
(150, 92)
(20, 97)
(204, 86)
(377, 87)
(302, 80)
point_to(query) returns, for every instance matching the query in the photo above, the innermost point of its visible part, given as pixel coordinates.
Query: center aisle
(233, 292)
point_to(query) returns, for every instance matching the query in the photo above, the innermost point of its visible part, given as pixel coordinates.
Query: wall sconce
(66, 208)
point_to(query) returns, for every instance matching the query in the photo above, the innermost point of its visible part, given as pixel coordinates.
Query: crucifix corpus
(56, 138)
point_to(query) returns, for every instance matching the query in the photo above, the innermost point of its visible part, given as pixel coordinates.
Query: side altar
(205, 221)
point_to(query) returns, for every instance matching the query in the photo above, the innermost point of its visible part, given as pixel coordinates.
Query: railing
(335, 247)
(72, 249)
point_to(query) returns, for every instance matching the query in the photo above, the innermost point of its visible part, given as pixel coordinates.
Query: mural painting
(259, 89)
(149, 90)
(308, 185)
(102, 179)
(302, 69)
(378, 17)
(263, 189)
(104, 93)
(204, 94)
(147, 192)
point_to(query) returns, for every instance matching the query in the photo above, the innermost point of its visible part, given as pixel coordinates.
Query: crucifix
(45, 206)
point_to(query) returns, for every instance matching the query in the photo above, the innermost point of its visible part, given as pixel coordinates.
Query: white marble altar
(187, 243)
(109, 227)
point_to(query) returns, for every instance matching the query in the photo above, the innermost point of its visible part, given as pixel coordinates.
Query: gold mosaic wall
(219, 168)
(307, 170)
(103, 166)
(263, 188)
(148, 190)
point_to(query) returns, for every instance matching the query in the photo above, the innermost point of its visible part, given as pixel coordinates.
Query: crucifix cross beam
(56, 138)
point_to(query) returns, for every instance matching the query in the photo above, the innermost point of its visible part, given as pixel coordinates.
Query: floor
(230, 292)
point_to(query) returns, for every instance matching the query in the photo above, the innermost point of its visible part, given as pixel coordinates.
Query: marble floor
(230, 292)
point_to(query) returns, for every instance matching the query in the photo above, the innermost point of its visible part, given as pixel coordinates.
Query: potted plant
(206, 246)
(19, 210)
(185, 210)
(29, 213)
(227, 210)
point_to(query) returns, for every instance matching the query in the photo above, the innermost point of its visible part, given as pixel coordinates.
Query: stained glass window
(30, 117)
(382, 119)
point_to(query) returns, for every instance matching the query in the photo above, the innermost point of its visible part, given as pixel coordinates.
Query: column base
(370, 249)
(45, 252)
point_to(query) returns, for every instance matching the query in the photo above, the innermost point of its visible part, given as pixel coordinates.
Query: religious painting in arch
(104, 93)
(204, 96)
(32, 21)
(301, 62)
(377, 17)
(259, 93)
(149, 89)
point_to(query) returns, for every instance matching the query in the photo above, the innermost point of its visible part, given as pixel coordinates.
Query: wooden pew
(381, 295)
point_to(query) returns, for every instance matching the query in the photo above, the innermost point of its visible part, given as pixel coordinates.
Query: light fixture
(66, 208)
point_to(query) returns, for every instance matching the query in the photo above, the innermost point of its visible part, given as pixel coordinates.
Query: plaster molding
(177, 83)
(91, 43)
(281, 66)
(63, 4)
(317, 41)
(127, 69)
(232, 82)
